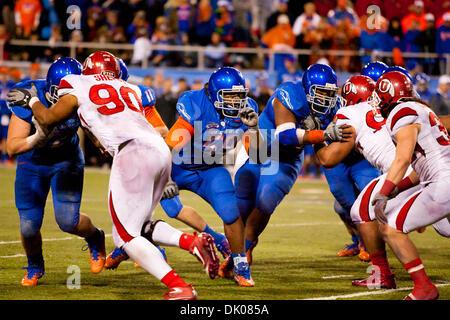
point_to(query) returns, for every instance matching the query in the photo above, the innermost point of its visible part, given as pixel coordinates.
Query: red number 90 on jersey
(104, 94)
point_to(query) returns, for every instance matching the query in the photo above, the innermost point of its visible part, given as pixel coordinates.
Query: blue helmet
(227, 91)
(320, 84)
(400, 69)
(374, 70)
(421, 82)
(58, 70)
(123, 70)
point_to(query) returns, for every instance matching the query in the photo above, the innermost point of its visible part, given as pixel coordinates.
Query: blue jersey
(293, 97)
(64, 142)
(213, 133)
(148, 96)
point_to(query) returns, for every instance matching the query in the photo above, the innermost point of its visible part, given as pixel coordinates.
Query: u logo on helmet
(386, 86)
(348, 88)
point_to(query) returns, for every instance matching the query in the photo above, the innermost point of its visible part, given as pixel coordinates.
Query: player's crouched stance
(424, 143)
(111, 111)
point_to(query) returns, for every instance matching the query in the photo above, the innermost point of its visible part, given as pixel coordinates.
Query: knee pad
(172, 207)
(30, 223)
(67, 215)
(148, 228)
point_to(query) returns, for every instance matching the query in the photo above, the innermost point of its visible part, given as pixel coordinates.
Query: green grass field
(295, 258)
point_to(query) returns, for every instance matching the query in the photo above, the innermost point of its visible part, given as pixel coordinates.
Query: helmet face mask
(230, 101)
(322, 98)
(52, 94)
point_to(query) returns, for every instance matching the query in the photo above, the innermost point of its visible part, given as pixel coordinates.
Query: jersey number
(443, 140)
(113, 97)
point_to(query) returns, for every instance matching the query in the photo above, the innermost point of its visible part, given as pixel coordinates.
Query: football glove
(170, 191)
(21, 97)
(379, 202)
(249, 117)
(337, 133)
(311, 123)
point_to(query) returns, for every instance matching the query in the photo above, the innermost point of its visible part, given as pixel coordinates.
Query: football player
(211, 122)
(49, 161)
(260, 187)
(422, 142)
(170, 201)
(345, 180)
(110, 110)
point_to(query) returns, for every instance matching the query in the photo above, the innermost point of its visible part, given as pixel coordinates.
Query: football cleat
(349, 250)
(115, 257)
(31, 277)
(223, 246)
(363, 254)
(242, 275)
(181, 293)
(384, 281)
(97, 252)
(226, 268)
(203, 249)
(430, 292)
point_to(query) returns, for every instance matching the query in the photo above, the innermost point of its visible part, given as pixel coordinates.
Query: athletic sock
(172, 279)
(380, 260)
(186, 241)
(248, 244)
(214, 234)
(93, 239)
(417, 272)
(36, 260)
(146, 255)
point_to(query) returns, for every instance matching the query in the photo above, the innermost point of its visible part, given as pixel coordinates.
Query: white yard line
(370, 293)
(183, 229)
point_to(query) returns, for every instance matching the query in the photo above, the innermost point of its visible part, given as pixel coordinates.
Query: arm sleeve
(66, 86)
(180, 133)
(152, 116)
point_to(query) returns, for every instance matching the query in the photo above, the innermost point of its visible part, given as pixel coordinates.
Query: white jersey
(110, 108)
(372, 138)
(431, 158)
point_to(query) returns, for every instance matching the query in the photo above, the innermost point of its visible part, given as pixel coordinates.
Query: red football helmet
(101, 62)
(357, 89)
(390, 88)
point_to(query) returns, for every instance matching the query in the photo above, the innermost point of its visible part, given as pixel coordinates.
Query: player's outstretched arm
(333, 154)
(60, 111)
(289, 134)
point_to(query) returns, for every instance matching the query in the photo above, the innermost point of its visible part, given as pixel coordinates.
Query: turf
(295, 258)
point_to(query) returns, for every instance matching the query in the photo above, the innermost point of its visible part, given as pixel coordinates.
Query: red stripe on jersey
(365, 202)
(84, 121)
(402, 113)
(341, 116)
(404, 212)
(119, 227)
(64, 85)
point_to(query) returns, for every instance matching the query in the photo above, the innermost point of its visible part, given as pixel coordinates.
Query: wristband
(406, 183)
(32, 101)
(387, 188)
(316, 136)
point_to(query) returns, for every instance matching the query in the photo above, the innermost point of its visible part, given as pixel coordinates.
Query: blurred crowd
(370, 26)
